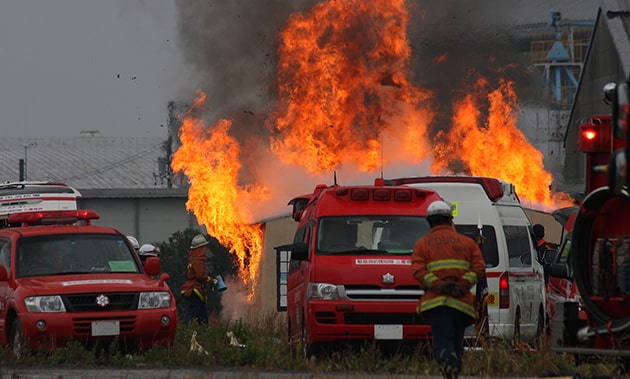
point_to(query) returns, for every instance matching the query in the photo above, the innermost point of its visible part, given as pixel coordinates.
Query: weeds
(262, 346)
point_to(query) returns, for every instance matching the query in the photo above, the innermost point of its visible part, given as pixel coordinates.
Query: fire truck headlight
(40, 304)
(152, 300)
(322, 291)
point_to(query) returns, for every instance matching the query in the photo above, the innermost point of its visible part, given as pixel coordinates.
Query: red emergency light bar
(53, 217)
(492, 186)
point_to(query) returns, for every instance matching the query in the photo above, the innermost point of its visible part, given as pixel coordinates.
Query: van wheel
(17, 343)
(540, 338)
(517, 328)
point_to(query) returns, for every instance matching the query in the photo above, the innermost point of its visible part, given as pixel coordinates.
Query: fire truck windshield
(74, 253)
(369, 234)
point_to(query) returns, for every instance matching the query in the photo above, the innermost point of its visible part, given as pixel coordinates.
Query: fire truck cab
(349, 274)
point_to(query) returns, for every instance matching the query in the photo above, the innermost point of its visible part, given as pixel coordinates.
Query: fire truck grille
(83, 325)
(89, 302)
(376, 293)
(384, 318)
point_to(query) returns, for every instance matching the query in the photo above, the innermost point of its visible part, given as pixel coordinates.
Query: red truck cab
(349, 275)
(62, 279)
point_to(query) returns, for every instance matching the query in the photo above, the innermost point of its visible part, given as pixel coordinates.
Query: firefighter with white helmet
(148, 250)
(197, 277)
(134, 242)
(447, 264)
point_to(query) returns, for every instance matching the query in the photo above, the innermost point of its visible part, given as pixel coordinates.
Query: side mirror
(550, 256)
(299, 251)
(152, 266)
(617, 173)
(4, 276)
(621, 110)
(560, 270)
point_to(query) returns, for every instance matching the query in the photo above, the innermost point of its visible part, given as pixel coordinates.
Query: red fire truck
(599, 258)
(349, 274)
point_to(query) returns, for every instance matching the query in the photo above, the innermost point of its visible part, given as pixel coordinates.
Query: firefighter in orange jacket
(194, 288)
(447, 264)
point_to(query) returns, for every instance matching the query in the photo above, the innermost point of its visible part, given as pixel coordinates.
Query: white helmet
(440, 208)
(147, 250)
(198, 241)
(134, 242)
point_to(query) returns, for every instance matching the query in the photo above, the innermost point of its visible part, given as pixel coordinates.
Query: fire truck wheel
(17, 344)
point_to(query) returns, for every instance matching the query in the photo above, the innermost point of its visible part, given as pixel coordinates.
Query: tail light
(504, 290)
(595, 137)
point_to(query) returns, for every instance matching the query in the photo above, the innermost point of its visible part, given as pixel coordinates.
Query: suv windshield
(369, 234)
(74, 253)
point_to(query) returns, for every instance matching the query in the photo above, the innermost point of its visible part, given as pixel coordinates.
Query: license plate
(105, 328)
(388, 332)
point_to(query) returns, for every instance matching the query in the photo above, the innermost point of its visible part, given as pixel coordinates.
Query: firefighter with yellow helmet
(447, 264)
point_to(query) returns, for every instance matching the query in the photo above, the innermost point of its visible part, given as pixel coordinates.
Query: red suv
(62, 279)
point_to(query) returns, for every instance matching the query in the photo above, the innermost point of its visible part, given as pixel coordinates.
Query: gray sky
(113, 65)
(72, 65)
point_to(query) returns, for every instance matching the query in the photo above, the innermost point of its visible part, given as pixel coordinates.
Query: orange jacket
(196, 274)
(446, 255)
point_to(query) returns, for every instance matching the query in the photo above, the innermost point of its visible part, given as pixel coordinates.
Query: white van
(490, 209)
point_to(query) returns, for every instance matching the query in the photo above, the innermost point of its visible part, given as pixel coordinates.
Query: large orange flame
(490, 144)
(210, 158)
(342, 86)
(343, 91)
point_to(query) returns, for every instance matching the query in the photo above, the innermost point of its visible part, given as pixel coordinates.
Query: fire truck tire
(17, 343)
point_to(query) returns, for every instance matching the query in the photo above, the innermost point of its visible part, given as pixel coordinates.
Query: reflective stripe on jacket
(447, 255)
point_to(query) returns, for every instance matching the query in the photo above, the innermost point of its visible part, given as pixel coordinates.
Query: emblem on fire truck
(102, 301)
(388, 278)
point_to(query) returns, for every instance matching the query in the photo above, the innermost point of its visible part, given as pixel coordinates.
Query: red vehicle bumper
(334, 321)
(142, 328)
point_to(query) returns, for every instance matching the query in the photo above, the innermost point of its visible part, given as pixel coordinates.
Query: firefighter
(193, 289)
(134, 243)
(447, 264)
(541, 244)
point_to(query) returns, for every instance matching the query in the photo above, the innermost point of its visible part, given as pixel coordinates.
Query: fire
(491, 144)
(209, 158)
(342, 87)
(342, 92)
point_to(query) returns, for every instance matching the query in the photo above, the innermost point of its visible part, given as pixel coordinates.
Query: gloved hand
(452, 289)
(464, 284)
(437, 286)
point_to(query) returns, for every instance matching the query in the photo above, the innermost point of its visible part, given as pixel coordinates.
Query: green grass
(266, 349)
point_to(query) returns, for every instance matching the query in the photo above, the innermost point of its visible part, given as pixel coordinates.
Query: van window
(369, 234)
(488, 239)
(518, 244)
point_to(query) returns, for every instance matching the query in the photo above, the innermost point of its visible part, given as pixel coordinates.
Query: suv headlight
(322, 291)
(39, 304)
(152, 300)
